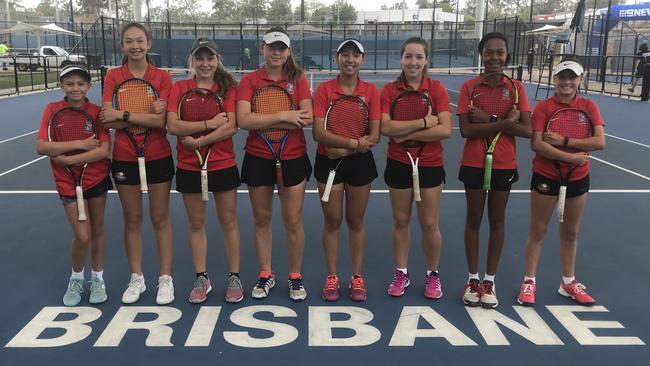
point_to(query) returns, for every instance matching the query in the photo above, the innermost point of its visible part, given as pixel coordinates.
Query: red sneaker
(331, 289)
(358, 288)
(576, 291)
(527, 293)
(399, 284)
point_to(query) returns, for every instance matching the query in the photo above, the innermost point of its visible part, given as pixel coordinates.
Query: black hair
(493, 35)
(643, 47)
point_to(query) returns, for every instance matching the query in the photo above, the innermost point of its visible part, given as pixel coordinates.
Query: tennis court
(36, 329)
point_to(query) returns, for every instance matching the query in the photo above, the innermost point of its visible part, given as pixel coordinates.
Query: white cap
(276, 37)
(569, 65)
(356, 43)
(72, 68)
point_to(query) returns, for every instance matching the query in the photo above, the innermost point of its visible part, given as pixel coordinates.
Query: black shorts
(158, 171)
(502, 179)
(98, 190)
(188, 181)
(355, 170)
(551, 187)
(256, 171)
(399, 175)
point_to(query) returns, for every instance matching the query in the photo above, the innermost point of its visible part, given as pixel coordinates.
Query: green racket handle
(487, 175)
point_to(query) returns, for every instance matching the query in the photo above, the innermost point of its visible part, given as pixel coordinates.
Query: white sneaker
(165, 290)
(136, 287)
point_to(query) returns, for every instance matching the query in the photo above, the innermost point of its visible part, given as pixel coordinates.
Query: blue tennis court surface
(36, 329)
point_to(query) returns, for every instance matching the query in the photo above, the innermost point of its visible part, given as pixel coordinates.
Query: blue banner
(629, 12)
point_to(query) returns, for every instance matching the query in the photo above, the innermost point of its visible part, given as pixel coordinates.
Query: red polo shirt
(543, 111)
(96, 171)
(490, 102)
(431, 155)
(330, 91)
(295, 145)
(221, 155)
(157, 144)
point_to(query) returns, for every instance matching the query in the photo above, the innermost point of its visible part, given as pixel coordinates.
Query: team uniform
(258, 167)
(504, 172)
(545, 179)
(158, 154)
(96, 181)
(357, 169)
(222, 168)
(398, 165)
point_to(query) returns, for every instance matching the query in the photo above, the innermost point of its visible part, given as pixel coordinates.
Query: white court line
(380, 191)
(17, 137)
(626, 140)
(619, 167)
(21, 166)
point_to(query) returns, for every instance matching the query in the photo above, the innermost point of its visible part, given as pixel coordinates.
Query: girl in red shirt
(489, 113)
(354, 173)
(75, 83)
(223, 176)
(433, 128)
(544, 185)
(136, 42)
(259, 168)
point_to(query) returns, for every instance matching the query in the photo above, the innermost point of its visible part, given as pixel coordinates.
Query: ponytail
(223, 79)
(292, 70)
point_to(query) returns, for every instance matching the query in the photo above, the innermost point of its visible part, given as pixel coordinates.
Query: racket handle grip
(143, 174)
(81, 207)
(204, 186)
(416, 184)
(328, 186)
(561, 200)
(487, 172)
(278, 176)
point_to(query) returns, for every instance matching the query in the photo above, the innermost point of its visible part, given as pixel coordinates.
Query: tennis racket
(199, 105)
(136, 96)
(346, 117)
(70, 124)
(409, 106)
(483, 97)
(272, 99)
(572, 123)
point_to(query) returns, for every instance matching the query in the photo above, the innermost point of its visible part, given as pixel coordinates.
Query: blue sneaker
(72, 295)
(97, 290)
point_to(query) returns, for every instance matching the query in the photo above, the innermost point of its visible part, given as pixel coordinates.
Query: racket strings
(271, 100)
(196, 106)
(570, 123)
(497, 100)
(408, 107)
(136, 96)
(347, 117)
(71, 125)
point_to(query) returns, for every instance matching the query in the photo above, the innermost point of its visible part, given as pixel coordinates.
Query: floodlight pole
(71, 13)
(302, 11)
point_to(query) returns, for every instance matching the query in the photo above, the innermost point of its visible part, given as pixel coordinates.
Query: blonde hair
(221, 76)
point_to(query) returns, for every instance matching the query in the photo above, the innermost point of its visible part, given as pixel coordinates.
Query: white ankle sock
(99, 275)
(77, 275)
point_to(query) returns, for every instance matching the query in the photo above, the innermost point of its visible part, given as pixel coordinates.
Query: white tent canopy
(38, 31)
(58, 30)
(548, 29)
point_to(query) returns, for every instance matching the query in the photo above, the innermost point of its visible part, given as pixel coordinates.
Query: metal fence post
(103, 40)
